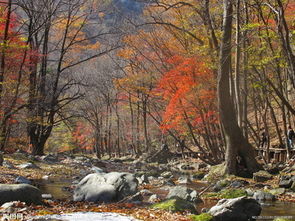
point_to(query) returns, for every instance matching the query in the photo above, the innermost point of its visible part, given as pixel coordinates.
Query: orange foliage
(189, 89)
(83, 136)
(18, 60)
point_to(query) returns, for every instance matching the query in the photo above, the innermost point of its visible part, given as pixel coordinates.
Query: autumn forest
(207, 82)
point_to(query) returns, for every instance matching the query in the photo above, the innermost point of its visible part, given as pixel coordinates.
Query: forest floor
(76, 168)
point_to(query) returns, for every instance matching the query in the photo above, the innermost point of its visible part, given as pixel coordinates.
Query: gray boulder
(238, 183)
(241, 208)
(107, 187)
(263, 196)
(286, 181)
(183, 193)
(277, 191)
(50, 158)
(262, 176)
(28, 166)
(20, 192)
(184, 180)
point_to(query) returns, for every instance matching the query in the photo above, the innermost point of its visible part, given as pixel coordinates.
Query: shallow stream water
(270, 210)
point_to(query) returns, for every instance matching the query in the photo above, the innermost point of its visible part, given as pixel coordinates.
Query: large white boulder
(105, 187)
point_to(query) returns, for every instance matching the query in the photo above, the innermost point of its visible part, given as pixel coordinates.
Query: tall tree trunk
(132, 124)
(118, 130)
(38, 129)
(237, 67)
(4, 120)
(138, 150)
(236, 144)
(145, 127)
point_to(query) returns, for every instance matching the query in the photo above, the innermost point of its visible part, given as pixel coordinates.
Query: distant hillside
(120, 9)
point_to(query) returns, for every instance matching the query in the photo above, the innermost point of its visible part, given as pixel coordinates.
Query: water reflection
(56, 187)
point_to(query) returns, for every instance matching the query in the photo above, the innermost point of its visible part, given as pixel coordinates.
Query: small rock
(261, 176)
(277, 191)
(215, 172)
(47, 196)
(81, 158)
(285, 183)
(167, 174)
(238, 183)
(28, 166)
(86, 164)
(249, 192)
(153, 198)
(204, 210)
(50, 158)
(221, 184)
(262, 196)
(183, 193)
(144, 179)
(184, 180)
(8, 164)
(23, 180)
(9, 204)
